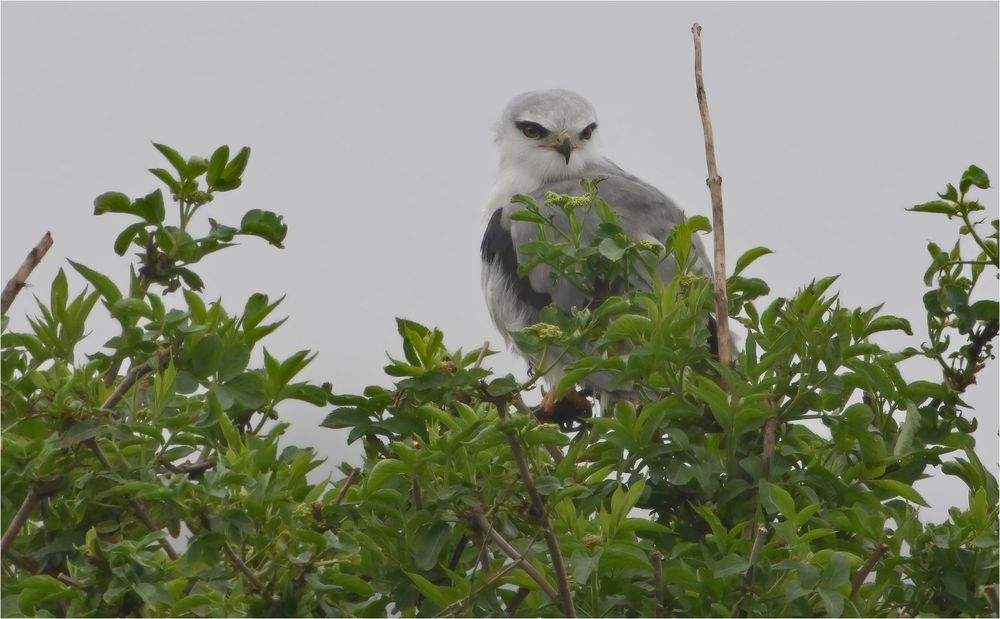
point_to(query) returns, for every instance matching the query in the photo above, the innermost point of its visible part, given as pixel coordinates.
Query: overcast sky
(371, 129)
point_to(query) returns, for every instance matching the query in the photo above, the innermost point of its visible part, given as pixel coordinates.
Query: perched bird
(549, 141)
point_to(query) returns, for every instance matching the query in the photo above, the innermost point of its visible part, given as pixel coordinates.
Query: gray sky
(371, 132)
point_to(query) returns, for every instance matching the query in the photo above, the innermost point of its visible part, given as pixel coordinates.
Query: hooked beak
(565, 148)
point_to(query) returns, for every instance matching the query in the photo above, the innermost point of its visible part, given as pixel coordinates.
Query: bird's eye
(588, 133)
(531, 130)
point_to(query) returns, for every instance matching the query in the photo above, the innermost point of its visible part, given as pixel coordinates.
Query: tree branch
(714, 182)
(538, 504)
(243, 567)
(31, 501)
(20, 278)
(859, 577)
(347, 484)
(37, 492)
(657, 558)
(140, 510)
(510, 551)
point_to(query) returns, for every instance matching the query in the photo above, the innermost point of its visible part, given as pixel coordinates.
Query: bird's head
(547, 135)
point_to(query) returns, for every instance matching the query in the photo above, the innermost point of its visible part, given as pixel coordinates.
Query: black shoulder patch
(498, 248)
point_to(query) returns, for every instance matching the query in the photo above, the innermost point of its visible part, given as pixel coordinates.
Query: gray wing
(644, 212)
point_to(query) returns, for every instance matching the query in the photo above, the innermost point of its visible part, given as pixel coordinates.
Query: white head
(546, 135)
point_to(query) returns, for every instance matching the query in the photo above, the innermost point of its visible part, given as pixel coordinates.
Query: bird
(549, 141)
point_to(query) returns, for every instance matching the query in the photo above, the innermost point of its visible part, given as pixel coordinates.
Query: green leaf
(150, 207)
(904, 441)
(196, 166)
(610, 249)
(247, 389)
(936, 206)
(264, 224)
(442, 596)
(216, 165)
(172, 183)
(129, 308)
(174, 158)
(898, 488)
(731, 564)
(112, 202)
(102, 283)
(986, 309)
(232, 360)
(382, 472)
(82, 431)
(632, 327)
(528, 215)
(234, 169)
(777, 500)
(974, 176)
(428, 544)
(206, 356)
(748, 257)
(888, 323)
(124, 240)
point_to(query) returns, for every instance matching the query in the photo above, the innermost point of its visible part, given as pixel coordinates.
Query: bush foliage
(142, 479)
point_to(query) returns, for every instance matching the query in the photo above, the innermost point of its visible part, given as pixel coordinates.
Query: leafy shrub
(142, 480)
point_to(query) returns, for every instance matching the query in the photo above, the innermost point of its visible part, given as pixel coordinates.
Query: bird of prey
(549, 141)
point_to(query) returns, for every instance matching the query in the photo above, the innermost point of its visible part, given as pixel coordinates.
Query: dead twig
(718, 229)
(20, 279)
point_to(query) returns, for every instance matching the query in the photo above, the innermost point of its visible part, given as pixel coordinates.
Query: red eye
(530, 131)
(587, 133)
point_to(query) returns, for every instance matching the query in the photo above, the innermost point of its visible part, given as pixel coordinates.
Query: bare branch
(20, 278)
(718, 229)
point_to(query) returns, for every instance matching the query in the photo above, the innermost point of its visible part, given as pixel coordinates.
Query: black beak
(565, 148)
